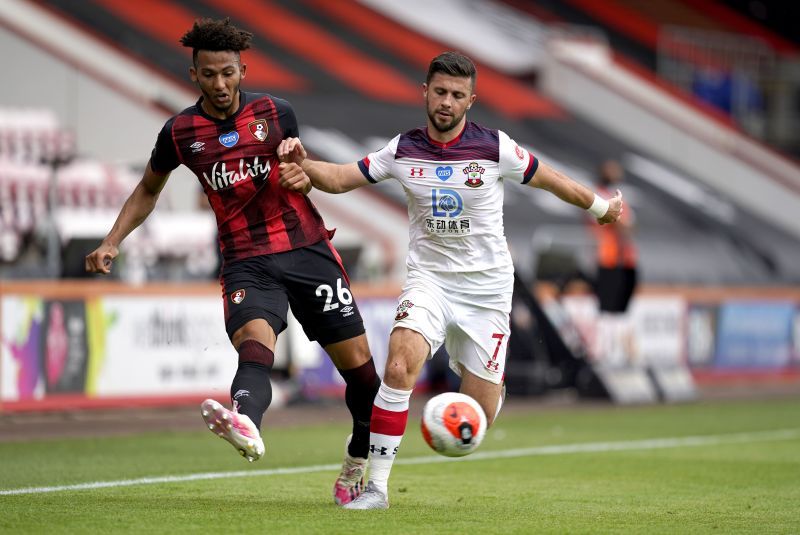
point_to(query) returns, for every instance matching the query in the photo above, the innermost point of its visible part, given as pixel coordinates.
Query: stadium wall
(69, 345)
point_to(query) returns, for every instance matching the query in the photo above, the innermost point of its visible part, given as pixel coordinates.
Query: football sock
(251, 391)
(362, 387)
(499, 404)
(389, 418)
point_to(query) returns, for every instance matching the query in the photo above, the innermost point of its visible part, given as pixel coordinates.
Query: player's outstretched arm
(568, 190)
(325, 176)
(135, 210)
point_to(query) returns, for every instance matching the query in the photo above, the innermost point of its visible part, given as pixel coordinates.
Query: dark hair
(215, 35)
(454, 64)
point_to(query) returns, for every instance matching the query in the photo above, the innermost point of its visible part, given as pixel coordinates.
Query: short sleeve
(516, 163)
(164, 158)
(286, 118)
(377, 166)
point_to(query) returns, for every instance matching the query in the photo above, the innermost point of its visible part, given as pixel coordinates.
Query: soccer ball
(453, 424)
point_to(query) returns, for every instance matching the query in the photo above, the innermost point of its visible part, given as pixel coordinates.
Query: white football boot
(238, 429)
(371, 498)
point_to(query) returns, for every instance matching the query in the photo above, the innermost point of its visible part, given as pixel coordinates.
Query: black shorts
(614, 288)
(311, 280)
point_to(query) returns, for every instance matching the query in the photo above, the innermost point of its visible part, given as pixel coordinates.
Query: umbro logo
(197, 146)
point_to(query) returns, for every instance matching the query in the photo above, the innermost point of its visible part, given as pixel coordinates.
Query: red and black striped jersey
(236, 162)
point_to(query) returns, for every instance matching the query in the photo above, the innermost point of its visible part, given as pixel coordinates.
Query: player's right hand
(615, 206)
(100, 260)
(291, 150)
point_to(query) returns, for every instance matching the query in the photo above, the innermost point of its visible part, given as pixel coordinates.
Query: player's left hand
(292, 177)
(614, 212)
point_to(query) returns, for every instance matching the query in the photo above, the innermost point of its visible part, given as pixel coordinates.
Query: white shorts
(473, 328)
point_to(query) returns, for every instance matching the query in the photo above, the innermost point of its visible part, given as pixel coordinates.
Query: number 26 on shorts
(342, 293)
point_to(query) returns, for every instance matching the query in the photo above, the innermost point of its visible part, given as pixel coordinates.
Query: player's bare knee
(399, 373)
(258, 330)
(359, 348)
(402, 369)
(350, 353)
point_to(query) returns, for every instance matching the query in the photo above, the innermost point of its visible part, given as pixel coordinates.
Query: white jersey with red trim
(455, 203)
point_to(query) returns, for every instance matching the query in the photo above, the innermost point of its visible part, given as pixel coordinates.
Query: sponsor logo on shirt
(197, 146)
(259, 129)
(221, 177)
(417, 171)
(449, 227)
(443, 173)
(446, 206)
(446, 202)
(474, 174)
(519, 152)
(230, 139)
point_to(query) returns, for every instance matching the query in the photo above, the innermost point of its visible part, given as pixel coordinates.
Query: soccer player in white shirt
(460, 275)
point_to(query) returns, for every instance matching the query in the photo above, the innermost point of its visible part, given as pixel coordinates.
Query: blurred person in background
(460, 274)
(616, 249)
(275, 247)
(616, 275)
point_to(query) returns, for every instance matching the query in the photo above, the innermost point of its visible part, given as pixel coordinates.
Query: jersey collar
(450, 143)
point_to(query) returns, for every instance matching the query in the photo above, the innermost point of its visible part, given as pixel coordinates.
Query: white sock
(388, 423)
(499, 404)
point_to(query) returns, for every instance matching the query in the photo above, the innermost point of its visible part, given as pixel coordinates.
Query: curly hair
(215, 35)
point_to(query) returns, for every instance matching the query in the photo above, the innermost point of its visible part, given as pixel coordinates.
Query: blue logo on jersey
(446, 203)
(230, 139)
(444, 173)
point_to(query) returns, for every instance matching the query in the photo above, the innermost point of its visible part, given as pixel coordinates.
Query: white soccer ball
(453, 424)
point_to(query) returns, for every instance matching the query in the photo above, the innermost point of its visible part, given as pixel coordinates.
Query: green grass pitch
(722, 467)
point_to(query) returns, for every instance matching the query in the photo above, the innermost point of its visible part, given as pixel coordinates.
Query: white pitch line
(562, 449)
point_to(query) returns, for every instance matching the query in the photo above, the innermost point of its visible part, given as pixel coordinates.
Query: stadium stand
(680, 41)
(44, 185)
(693, 228)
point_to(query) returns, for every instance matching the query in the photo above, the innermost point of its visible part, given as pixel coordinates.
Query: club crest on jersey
(259, 129)
(402, 310)
(230, 139)
(237, 296)
(474, 174)
(197, 146)
(443, 173)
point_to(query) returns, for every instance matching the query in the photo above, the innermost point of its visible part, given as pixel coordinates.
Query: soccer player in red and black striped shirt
(276, 250)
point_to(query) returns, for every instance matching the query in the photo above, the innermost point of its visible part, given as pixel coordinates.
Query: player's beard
(447, 126)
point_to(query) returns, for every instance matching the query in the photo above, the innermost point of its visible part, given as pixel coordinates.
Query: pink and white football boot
(350, 482)
(238, 429)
